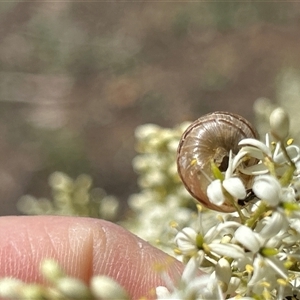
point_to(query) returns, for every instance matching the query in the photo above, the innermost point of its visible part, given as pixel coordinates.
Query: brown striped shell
(210, 138)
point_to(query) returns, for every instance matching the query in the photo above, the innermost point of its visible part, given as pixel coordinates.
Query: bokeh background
(77, 78)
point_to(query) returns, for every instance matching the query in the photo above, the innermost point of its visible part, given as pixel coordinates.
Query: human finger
(84, 247)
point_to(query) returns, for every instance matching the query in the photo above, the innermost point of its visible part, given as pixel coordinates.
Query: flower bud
(73, 288)
(279, 123)
(106, 288)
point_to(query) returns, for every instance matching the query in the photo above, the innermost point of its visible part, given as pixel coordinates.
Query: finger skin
(84, 247)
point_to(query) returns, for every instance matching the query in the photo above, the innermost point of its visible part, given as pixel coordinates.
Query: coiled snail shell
(210, 138)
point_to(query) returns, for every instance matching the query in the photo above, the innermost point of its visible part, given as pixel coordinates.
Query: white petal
(198, 284)
(215, 192)
(223, 270)
(238, 158)
(235, 187)
(230, 250)
(267, 138)
(256, 144)
(295, 224)
(187, 234)
(259, 271)
(268, 189)
(162, 292)
(249, 239)
(273, 225)
(191, 269)
(233, 285)
(293, 152)
(277, 149)
(258, 169)
(186, 241)
(249, 151)
(277, 266)
(230, 169)
(253, 152)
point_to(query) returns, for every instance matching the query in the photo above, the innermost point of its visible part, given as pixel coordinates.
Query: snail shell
(210, 138)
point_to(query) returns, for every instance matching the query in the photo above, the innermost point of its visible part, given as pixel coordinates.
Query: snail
(210, 138)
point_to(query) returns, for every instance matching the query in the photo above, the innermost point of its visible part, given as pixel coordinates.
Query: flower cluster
(61, 286)
(162, 199)
(249, 254)
(72, 198)
(254, 253)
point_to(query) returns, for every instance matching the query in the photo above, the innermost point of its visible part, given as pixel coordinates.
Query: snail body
(210, 139)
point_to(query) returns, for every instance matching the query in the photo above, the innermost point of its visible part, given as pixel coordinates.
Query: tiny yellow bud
(173, 224)
(269, 251)
(265, 284)
(193, 162)
(282, 282)
(177, 251)
(226, 239)
(199, 207)
(249, 268)
(288, 264)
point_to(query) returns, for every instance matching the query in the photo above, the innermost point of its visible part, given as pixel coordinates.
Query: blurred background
(77, 78)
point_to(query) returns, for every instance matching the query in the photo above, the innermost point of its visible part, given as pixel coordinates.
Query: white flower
(263, 245)
(268, 233)
(203, 287)
(191, 269)
(216, 191)
(235, 187)
(208, 240)
(293, 152)
(255, 147)
(191, 286)
(261, 273)
(145, 131)
(267, 188)
(273, 229)
(186, 241)
(249, 239)
(259, 150)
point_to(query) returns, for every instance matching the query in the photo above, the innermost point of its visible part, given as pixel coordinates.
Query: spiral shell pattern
(210, 138)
